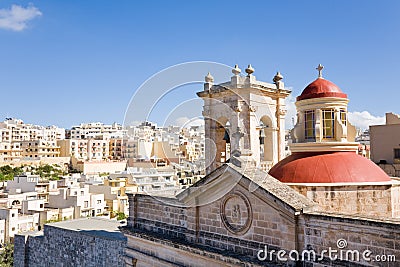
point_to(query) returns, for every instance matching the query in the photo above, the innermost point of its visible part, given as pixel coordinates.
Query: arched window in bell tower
(266, 139)
(223, 141)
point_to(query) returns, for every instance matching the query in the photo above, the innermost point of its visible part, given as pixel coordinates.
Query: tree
(120, 215)
(2, 179)
(7, 255)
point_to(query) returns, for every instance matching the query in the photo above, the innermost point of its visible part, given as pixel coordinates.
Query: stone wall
(321, 232)
(205, 226)
(62, 247)
(157, 214)
(164, 234)
(368, 200)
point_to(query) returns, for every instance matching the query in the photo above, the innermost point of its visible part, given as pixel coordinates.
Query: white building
(154, 180)
(96, 130)
(15, 223)
(31, 183)
(84, 203)
(18, 140)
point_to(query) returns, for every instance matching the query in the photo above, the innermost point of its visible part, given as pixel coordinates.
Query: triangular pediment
(225, 178)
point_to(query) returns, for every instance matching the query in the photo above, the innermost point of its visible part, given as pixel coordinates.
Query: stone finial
(277, 77)
(209, 78)
(320, 68)
(249, 70)
(236, 71)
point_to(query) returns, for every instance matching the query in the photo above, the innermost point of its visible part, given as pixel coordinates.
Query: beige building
(385, 140)
(244, 115)
(39, 149)
(90, 150)
(137, 148)
(324, 196)
(20, 141)
(77, 148)
(99, 167)
(114, 190)
(115, 146)
(10, 151)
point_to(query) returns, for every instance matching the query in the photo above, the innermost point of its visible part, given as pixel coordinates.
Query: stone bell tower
(244, 117)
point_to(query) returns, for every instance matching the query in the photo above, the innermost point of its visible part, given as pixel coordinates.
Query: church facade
(322, 206)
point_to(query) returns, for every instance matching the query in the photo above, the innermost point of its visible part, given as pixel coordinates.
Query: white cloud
(364, 119)
(186, 122)
(16, 17)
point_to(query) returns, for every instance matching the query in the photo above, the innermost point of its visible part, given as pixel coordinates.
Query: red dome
(329, 167)
(321, 88)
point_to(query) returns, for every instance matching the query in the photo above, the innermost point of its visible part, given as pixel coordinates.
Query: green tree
(120, 215)
(7, 255)
(2, 179)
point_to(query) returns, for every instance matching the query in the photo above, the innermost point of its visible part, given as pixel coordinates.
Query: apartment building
(20, 131)
(96, 130)
(39, 149)
(19, 140)
(31, 183)
(114, 190)
(15, 223)
(10, 151)
(161, 180)
(136, 148)
(80, 149)
(115, 147)
(85, 204)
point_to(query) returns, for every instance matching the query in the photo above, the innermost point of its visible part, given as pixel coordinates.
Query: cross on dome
(320, 68)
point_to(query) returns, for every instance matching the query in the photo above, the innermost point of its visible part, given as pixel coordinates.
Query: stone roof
(257, 178)
(281, 191)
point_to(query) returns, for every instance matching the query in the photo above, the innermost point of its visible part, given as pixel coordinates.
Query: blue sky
(81, 61)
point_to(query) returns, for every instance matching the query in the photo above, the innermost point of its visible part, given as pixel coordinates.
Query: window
(98, 211)
(99, 201)
(397, 153)
(343, 117)
(86, 204)
(328, 117)
(309, 119)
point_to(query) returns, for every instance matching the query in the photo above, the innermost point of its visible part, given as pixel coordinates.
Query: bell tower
(244, 117)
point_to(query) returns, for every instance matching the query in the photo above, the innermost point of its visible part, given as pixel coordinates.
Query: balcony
(266, 165)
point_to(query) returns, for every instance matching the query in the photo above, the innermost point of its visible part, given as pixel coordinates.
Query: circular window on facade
(236, 213)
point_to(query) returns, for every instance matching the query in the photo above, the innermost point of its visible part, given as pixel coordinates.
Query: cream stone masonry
(241, 111)
(345, 133)
(172, 232)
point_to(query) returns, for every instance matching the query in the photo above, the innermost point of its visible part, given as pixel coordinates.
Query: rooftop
(98, 227)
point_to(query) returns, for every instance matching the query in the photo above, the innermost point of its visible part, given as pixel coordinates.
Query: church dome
(327, 167)
(321, 88)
